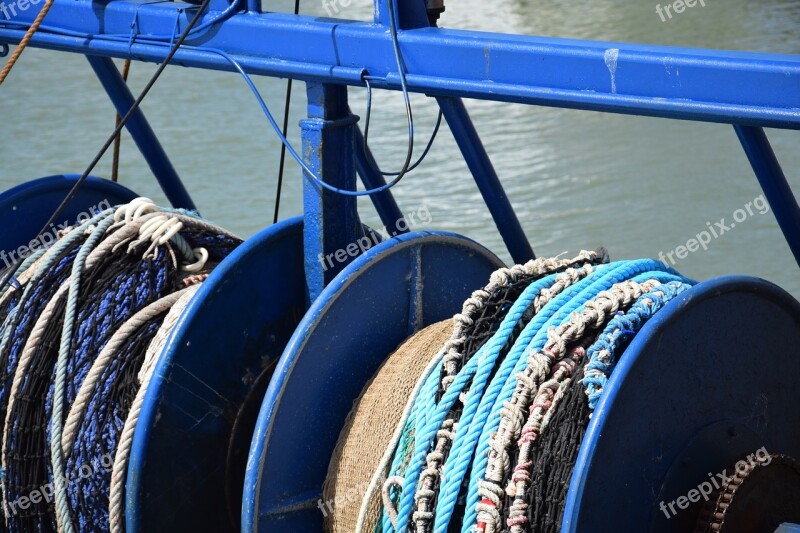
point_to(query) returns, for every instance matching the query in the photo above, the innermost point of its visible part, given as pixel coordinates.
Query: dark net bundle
(554, 459)
(25, 453)
(116, 287)
(89, 466)
(23, 307)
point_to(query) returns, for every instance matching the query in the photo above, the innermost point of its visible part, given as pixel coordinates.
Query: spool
(189, 453)
(703, 384)
(394, 289)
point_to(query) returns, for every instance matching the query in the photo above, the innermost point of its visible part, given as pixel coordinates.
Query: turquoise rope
(57, 420)
(534, 338)
(412, 475)
(477, 405)
(486, 360)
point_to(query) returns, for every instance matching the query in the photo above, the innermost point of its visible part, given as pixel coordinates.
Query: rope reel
(490, 434)
(82, 326)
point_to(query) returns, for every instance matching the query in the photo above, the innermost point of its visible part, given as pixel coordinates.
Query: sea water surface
(638, 186)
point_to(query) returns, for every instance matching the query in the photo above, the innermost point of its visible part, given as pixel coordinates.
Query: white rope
(116, 507)
(106, 356)
(388, 455)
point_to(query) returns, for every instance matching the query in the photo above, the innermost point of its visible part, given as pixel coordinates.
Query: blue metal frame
(141, 132)
(748, 90)
(331, 220)
(382, 297)
(688, 383)
(709, 85)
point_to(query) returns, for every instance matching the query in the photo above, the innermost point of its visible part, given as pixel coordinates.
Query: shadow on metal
(703, 385)
(193, 435)
(381, 298)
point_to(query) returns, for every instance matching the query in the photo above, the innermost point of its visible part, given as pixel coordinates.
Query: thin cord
(125, 119)
(24, 43)
(365, 142)
(308, 172)
(285, 131)
(126, 67)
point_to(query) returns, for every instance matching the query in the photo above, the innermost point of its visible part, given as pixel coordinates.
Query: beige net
(369, 428)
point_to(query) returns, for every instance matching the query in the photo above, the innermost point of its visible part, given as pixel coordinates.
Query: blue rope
(477, 408)
(618, 334)
(533, 338)
(487, 393)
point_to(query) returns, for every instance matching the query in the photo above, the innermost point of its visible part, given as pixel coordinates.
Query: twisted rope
(461, 423)
(106, 304)
(116, 507)
(26, 39)
(531, 302)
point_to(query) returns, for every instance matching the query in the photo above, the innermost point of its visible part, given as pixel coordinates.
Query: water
(638, 186)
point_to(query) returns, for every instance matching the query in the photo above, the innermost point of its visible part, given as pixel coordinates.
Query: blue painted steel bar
(332, 228)
(773, 182)
(141, 132)
(486, 178)
(717, 86)
(384, 202)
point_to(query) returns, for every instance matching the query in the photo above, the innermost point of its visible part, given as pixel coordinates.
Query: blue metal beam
(384, 201)
(331, 229)
(773, 182)
(717, 86)
(142, 133)
(486, 178)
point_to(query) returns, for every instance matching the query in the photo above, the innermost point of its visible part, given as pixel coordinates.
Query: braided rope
(90, 289)
(492, 460)
(116, 508)
(456, 353)
(532, 300)
(432, 414)
(546, 377)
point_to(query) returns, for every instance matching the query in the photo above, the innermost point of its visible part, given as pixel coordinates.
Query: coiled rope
(83, 325)
(489, 435)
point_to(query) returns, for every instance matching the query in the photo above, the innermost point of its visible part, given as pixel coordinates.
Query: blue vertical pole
(486, 178)
(141, 132)
(773, 182)
(332, 228)
(384, 202)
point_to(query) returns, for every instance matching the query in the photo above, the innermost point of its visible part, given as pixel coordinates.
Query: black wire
(122, 123)
(285, 130)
